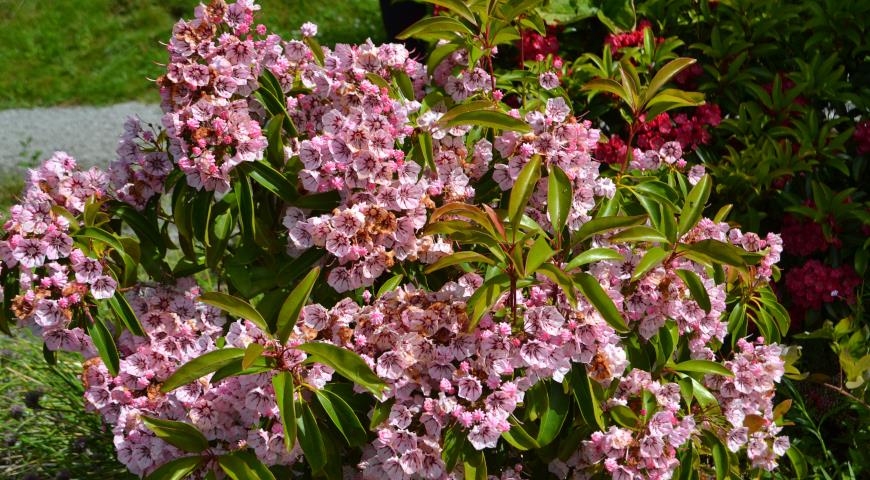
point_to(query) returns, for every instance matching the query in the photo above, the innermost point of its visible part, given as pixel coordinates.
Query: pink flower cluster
(633, 38)
(561, 141)
(645, 450)
(237, 411)
(814, 283)
(537, 47)
(210, 76)
(142, 166)
(54, 276)
(746, 401)
(441, 376)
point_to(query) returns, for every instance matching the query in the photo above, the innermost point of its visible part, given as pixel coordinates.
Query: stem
(628, 146)
(846, 394)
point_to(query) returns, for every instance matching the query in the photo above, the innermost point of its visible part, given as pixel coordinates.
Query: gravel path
(90, 134)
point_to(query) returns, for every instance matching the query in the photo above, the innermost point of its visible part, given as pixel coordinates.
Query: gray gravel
(90, 134)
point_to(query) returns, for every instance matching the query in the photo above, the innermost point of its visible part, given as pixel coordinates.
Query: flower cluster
(802, 237)
(441, 376)
(536, 47)
(142, 165)
(814, 283)
(54, 277)
(746, 400)
(562, 141)
(645, 450)
(210, 76)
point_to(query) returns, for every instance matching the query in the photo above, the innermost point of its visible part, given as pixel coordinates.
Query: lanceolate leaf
(554, 416)
(125, 313)
(639, 234)
(598, 226)
(596, 295)
(538, 254)
(282, 382)
(272, 180)
(665, 74)
(434, 25)
(292, 306)
(346, 363)
(201, 366)
(694, 206)
(651, 259)
(523, 189)
(696, 287)
(252, 353)
(182, 435)
(456, 259)
(243, 465)
(518, 437)
(593, 255)
(703, 366)
(105, 344)
(176, 469)
(343, 417)
(584, 394)
(236, 307)
(490, 118)
(310, 438)
(390, 284)
(456, 6)
(558, 198)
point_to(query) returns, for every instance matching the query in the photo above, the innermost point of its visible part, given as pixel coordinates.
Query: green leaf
(454, 443)
(651, 259)
(381, 412)
(523, 189)
(694, 206)
(105, 345)
(475, 465)
(343, 417)
(179, 434)
(176, 469)
(245, 199)
(593, 255)
(201, 366)
(252, 353)
(346, 363)
(406, 87)
(272, 180)
(720, 455)
(624, 416)
(798, 462)
(236, 307)
(597, 226)
(560, 278)
(518, 437)
(456, 6)
(456, 259)
(665, 74)
(435, 25)
(144, 228)
(234, 369)
(390, 284)
(125, 313)
(559, 198)
(424, 139)
(483, 298)
(465, 107)
(310, 439)
(696, 287)
(538, 254)
(292, 306)
(554, 416)
(607, 85)
(282, 382)
(243, 465)
(718, 252)
(584, 395)
(639, 234)
(490, 118)
(703, 366)
(596, 295)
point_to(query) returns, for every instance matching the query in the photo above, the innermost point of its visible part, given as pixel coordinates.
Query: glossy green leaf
(538, 254)
(342, 417)
(434, 25)
(292, 306)
(694, 206)
(201, 366)
(456, 6)
(456, 259)
(639, 233)
(310, 438)
(390, 284)
(523, 189)
(518, 437)
(703, 366)
(607, 85)
(718, 252)
(593, 255)
(554, 416)
(696, 288)
(182, 435)
(176, 469)
(380, 413)
(596, 295)
(798, 462)
(651, 259)
(272, 180)
(597, 226)
(235, 306)
(624, 416)
(584, 395)
(118, 303)
(490, 118)
(665, 74)
(252, 353)
(282, 382)
(455, 441)
(559, 197)
(474, 465)
(243, 465)
(560, 278)
(105, 345)
(346, 363)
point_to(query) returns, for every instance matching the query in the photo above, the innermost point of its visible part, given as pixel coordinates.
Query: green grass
(53, 437)
(69, 52)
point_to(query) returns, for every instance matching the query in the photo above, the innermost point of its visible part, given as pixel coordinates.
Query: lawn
(69, 52)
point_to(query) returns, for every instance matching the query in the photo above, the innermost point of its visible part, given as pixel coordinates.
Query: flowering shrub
(355, 264)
